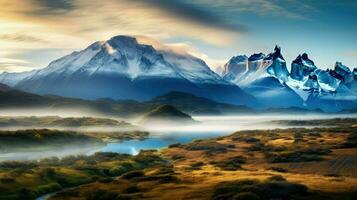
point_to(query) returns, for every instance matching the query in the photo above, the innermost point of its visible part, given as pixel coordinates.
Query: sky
(35, 32)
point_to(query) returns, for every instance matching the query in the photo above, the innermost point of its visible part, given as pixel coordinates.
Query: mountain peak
(256, 56)
(301, 58)
(124, 39)
(276, 54)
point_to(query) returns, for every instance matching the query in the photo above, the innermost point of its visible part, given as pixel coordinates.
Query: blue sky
(34, 32)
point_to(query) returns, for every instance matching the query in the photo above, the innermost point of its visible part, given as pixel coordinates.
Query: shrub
(43, 189)
(105, 180)
(208, 146)
(174, 145)
(233, 163)
(246, 196)
(133, 174)
(7, 180)
(102, 195)
(276, 178)
(131, 189)
(196, 165)
(254, 189)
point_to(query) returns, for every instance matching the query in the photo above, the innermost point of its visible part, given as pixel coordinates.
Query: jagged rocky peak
(277, 65)
(236, 65)
(312, 83)
(342, 69)
(255, 62)
(303, 58)
(326, 80)
(302, 67)
(274, 55)
(256, 57)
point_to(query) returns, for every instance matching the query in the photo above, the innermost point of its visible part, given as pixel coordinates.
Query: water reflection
(162, 136)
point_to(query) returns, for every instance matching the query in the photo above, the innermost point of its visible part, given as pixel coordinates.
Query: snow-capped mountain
(264, 77)
(123, 68)
(268, 79)
(12, 79)
(302, 67)
(235, 68)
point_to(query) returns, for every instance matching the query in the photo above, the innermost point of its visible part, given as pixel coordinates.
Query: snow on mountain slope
(123, 68)
(264, 77)
(12, 79)
(235, 68)
(268, 79)
(192, 68)
(302, 67)
(258, 67)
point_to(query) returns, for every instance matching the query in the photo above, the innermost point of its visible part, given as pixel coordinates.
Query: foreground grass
(27, 180)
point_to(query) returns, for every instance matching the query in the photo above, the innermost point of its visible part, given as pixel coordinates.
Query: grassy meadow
(294, 163)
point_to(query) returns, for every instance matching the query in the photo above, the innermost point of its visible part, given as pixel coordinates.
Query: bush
(276, 178)
(131, 189)
(208, 146)
(43, 189)
(279, 169)
(105, 180)
(254, 189)
(47, 172)
(233, 163)
(304, 155)
(133, 174)
(7, 180)
(246, 196)
(196, 165)
(102, 195)
(174, 145)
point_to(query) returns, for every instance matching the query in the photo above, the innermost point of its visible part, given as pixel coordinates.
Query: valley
(316, 163)
(178, 100)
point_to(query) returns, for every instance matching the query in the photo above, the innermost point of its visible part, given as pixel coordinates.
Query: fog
(161, 135)
(236, 123)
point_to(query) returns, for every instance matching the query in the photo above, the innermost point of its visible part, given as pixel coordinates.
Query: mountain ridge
(123, 68)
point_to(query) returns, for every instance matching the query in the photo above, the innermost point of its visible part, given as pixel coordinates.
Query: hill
(166, 114)
(195, 105)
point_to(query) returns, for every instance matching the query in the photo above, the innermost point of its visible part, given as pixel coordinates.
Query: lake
(162, 136)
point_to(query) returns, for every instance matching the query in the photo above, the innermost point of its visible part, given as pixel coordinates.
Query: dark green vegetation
(273, 188)
(46, 139)
(166, 114)
(42, 139)
(27, 180)
(55, 121)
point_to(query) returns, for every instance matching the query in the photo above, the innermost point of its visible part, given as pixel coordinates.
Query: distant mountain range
(122, 68)
(191, 104)
(267, 78)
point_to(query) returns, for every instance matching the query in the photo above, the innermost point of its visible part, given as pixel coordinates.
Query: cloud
(19, 37)
(195, 13)
(13, 65)
(52, 7)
